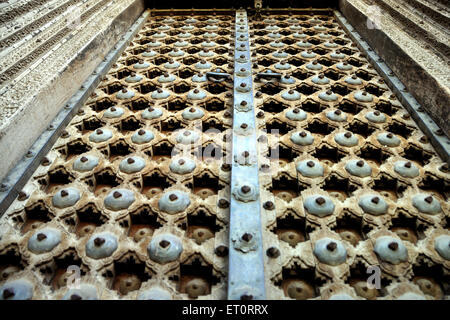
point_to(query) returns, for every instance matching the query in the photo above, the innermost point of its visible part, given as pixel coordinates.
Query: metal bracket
(217, 76)
(268, 75)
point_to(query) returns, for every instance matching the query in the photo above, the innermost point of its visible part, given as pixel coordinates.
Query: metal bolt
(164, 244)
(375, 200)
(244, 126)
(141, 132)
(22, 196)
(408, 164)
(348, 135)
(303, 134)
(247, 237)
(130, 160)
(245, 189)
(245, 154)
(223, 203)
(117, 194)
(45, 161)
(64, 193)
(320, 201)
(173, 197)
(41, 236)
(273, 252)
(331, 246)
(268, 205)
(428, 199)
(444, 168)
(8, 293)
(310, 164)
(393, 246)
(262, 138)
(221, 251)
(99, 241)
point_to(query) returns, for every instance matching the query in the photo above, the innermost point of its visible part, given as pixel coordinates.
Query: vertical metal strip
(246, 261)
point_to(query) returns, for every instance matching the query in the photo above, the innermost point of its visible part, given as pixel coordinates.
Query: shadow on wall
(223, 4)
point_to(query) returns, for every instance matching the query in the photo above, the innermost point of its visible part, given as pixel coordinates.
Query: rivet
(247, 237)
(245, 189)
(22, 196)
(173, 197)
(221, 251)
(164, 244)
(331, 246)
(444, 168)
(64, 193)
(375, 200)
(320, 201)
(268, 205)
(428, 199)
(393, 246)
(8, 293)
(45, 161)
(245, 154)
(273, 252)
(41, 236)
(99, 241)
(310, 164)
(223, 203)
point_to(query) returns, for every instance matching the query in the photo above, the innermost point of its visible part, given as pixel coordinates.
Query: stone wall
(48, 48)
